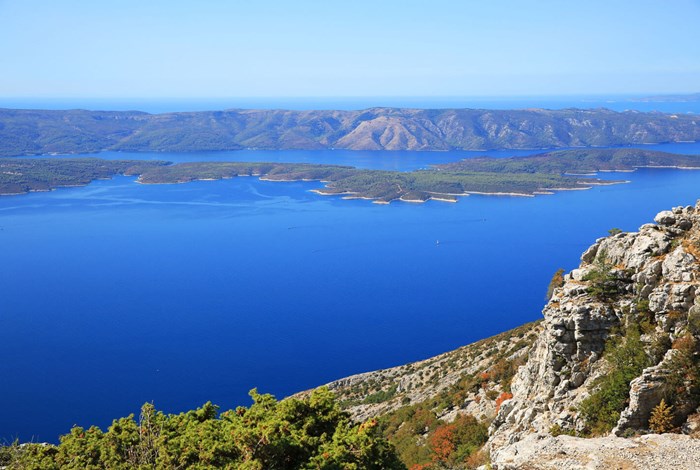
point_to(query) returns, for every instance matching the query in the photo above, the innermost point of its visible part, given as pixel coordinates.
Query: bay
(116, 294)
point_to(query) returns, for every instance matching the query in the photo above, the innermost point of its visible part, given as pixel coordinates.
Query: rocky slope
(482, 364)
(644, 282)
(31, 132)
(448, 399)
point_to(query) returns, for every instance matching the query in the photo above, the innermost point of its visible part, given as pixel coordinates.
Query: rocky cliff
(630, 311)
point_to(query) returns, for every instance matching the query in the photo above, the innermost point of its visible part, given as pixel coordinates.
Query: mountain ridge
(35, 132)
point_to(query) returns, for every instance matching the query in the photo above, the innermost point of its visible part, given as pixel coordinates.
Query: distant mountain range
(36, 132)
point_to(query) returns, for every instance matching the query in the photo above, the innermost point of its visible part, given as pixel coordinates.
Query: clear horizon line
(322, 97)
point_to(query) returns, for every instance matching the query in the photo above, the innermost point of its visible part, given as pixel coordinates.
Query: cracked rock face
(653, 273)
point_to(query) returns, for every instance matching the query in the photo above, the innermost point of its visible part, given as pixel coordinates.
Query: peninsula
(517, 176)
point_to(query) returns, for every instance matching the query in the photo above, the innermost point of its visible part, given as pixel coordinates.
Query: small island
(515, 176)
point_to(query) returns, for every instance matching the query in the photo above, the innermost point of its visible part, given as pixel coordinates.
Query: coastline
(483, 193)
(380, 186)
(350, 195)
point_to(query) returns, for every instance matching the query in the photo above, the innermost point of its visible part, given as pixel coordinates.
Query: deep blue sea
(117, 293)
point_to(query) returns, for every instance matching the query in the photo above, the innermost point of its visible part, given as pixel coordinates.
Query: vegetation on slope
(627, 359)
(33, 132)
(578, 161)
(425, 442)
(19, 176)
(557, 281)
(436, 412)
(311, 433)
(626, 356)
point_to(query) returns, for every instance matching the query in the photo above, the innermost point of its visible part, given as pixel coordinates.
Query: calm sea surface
(116, 294)
(614, 102)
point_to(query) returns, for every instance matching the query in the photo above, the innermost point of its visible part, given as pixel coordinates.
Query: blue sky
(207, 48)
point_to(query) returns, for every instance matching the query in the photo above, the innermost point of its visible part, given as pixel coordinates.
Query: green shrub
(626, 358)
(683, 383)
(293, 433)
(659, 345)
(604, 285)
(557, 430)
(381, 396)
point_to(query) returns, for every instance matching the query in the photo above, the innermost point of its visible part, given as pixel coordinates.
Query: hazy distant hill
(32, 132)
(687, 98)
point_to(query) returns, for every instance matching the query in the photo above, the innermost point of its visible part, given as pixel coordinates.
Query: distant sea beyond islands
(42, 132)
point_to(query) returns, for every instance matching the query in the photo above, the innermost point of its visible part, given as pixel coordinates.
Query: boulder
(665, 218)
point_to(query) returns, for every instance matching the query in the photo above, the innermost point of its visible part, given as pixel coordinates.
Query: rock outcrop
(647, 281)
